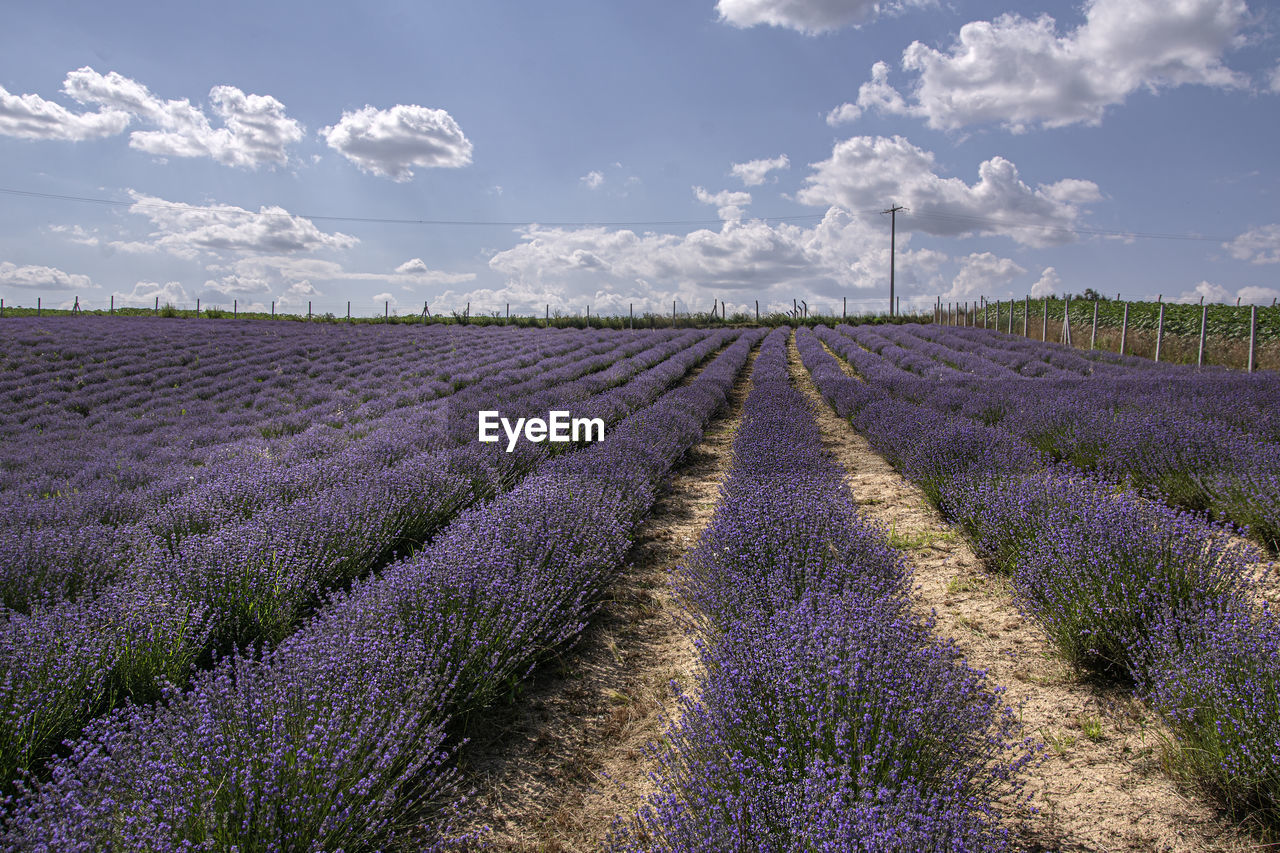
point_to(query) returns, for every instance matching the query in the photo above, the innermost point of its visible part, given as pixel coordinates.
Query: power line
(385, 220)
(801, 217)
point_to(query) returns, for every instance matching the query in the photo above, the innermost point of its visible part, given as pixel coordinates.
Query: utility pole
(893, 236)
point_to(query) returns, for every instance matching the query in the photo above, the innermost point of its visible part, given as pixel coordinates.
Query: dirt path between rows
(551, 772)
(1100, 786)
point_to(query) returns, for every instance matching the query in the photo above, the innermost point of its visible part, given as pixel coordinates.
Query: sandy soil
(1101, 784)
(551, 772)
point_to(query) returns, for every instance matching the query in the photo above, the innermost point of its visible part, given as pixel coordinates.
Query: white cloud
(413, 266)
(1260, 245)
(255, 129)
(145, 293)
(238, 285)
(593, 180)
(390, 142)
(743, 261)
(297, 295)
(753, 172)
(1273, 80)
(269, 273)
(807, 16)
(1259, 295)
(32, 117)
(844, 114)
(864, 173)
(42, 278)
(1206, 291)
(1048, 284)
(729, 204)
(386, 297)
(982, 274)
(1021, 72)
(187, 230)
(1251, 295)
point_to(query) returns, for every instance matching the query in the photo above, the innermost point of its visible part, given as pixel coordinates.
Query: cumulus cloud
(1259, 295)
(389, 143)
(269, 273)
(296, 296)
(32, 117)
(1259, 245)
(807, 16)
(187, 230)
(729, 204)
(593, 180)
(864, 172)
(1273, 79)
(982, 273)
(741, 262)
(42, 278)
(255, 129)
(145, 293)
(1205, 291)
(753, 172)
(1209, 292)
(1021, 73)
(413, 266)
(1048, 284)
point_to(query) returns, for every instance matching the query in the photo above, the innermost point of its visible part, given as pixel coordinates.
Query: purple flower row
(828, 716)
(255, 580)
(1148, 594)
(1205, 441)
(52, 545)
(338, 738)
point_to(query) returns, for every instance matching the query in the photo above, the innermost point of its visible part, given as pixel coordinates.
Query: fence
(1015, 316)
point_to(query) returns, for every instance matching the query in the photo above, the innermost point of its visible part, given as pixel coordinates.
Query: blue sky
(608, 154)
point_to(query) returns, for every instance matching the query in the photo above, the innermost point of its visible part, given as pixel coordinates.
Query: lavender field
(259, 580)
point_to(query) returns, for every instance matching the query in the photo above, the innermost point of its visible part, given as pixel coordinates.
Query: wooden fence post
(1026, 316)
(1159, 332)
(1124, 328)
(1093, 336)
(1204, 325)
(1253, 335)
(1044, 329)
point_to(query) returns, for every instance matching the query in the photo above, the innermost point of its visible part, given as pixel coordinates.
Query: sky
(614, 155)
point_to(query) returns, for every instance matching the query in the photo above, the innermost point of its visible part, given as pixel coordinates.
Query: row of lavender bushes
(254, 581)
(339, 737)
(1206, 440)
(124, 496)
(828, 717)
(1150, 595)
